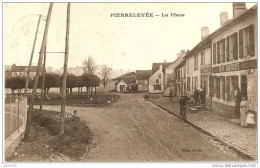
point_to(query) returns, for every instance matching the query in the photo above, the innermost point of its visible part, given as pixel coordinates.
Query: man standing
(196, 96)
(171, 94)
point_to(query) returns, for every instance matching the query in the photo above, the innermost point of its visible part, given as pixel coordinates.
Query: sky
(119, 42)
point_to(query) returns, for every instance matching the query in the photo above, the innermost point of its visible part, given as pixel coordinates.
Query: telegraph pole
(64, 78)
(39, 67)
(43, 80)
(30, 63)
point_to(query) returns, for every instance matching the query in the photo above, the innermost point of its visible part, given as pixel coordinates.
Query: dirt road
(135, 130)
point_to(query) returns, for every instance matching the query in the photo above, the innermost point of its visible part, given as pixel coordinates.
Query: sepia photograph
(145, 82)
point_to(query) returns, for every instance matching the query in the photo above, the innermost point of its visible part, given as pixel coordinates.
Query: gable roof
(129, 74)
(156, 66)
(127, 79)
(143, 74)
(22, 68)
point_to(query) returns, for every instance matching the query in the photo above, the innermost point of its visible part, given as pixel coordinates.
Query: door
(244, 86)
(122, 88)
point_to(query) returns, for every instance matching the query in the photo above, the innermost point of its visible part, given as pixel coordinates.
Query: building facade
(234, 61)
(142, 79)
(181, 79)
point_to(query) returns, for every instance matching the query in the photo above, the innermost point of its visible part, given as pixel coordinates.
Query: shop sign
(205, 70)
(251, 64)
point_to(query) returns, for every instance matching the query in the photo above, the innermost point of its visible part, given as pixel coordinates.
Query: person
(196, 96)
(201, 95)
(237, 102)
(171, 94)
(243, 112)
(75, 120)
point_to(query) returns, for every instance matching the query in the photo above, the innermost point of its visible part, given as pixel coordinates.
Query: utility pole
(64, 78)
(30, 63)
(43, 80)
(39, 67)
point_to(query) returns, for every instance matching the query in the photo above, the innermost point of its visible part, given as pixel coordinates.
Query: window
(222, 87)
(240, 43)
(196, 82)
(235, 46)
(203, 58)
(196, 62)
(218, 87)
(244, 86)
(188, 84)
(211, 88)
(214, 53)
(157, 81)
(157, 87)
(222, 50)
(215, 86)
(218, 52)
(234, 85)
(227, 49)
(248, 48)
(228, 88)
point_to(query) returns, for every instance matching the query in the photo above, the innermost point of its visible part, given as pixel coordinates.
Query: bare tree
(39, 67)
(105, 75)
(89, 66)
(64, 78)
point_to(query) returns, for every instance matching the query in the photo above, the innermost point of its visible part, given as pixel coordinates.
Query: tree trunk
(95, 90)
(29, 113)
(78, 90)
(91, 90)
(63, 95)
(12, 91)
(70, 91)
(30, 63)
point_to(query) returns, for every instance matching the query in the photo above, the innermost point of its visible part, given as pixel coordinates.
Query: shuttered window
(214, 53)
(235, 46)
(218, 87)
(251, 40)
(211, 88)
(218, 52)
(241, 43)
(227, 49)
(222, 87)
(227, 88)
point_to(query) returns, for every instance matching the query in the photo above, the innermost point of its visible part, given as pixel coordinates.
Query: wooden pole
(30, 63)
(43, 80)
(63, 90)
(39, 67)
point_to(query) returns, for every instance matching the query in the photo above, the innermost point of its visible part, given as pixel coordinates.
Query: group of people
(199, 96)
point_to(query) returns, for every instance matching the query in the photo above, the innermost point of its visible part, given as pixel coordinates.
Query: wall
(142, 84)
(152, 81)
(118, 86)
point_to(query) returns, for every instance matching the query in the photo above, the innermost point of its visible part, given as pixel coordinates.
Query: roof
(132, 74)
(127, 79)
(143, 74)
(156, 66)
(207, 41)
(22, 68)
(181, 64)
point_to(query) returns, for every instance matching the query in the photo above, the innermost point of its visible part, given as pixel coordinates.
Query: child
(75, 120)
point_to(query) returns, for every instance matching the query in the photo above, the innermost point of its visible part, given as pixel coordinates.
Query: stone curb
(207, 132)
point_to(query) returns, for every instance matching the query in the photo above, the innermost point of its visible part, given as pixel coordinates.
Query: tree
(15, 83)
(95, 82)
(86, 81)
(105, 75)
(89, 66)
(71, 82)
(79, 83)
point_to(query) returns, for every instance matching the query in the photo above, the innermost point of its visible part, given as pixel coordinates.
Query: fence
(15, 121)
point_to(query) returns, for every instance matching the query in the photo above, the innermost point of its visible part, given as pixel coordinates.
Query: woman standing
(237, 101)
(243, 111)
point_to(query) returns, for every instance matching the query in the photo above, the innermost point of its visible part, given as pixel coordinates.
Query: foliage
(71, 81)
(89, 66)
(105, 74)
(15, 83)
(90, 80)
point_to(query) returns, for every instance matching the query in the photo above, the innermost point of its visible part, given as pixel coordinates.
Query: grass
(72, 144)
(79, 100)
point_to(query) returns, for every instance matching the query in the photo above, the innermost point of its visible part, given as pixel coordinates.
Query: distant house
(124, 81)
(157, 78)
(142, 79)
(21, 71)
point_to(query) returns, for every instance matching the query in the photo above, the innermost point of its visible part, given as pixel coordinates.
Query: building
(142, 79)
(181, 78)
(157, 78)
(21, 71)
(234, 60)
(198, 67)
(170, 75)
(123, 82)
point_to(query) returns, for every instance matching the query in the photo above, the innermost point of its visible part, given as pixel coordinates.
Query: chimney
(204, 32)
(223, 18)
(161, 67)
(178, 55)
(238, 8)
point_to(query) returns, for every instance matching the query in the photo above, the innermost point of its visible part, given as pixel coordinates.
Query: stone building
(234, 60)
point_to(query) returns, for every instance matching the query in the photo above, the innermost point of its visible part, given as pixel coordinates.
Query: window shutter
(235, 48)
(223, 50)
(241, 43)
(214, 53)
(227, 88)
(218, 52)
(211, 92)
(251, 40)
(227, 48)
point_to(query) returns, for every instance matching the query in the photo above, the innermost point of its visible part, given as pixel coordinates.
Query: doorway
(122, 88)
(244, 86)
